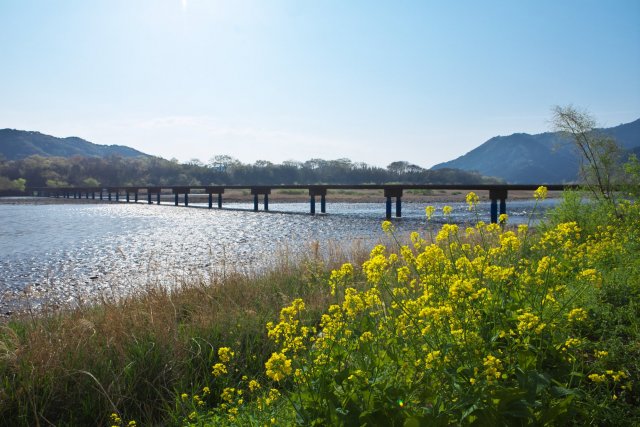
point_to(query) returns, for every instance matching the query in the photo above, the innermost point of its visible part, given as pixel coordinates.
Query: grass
(76, 367)
(522, 327)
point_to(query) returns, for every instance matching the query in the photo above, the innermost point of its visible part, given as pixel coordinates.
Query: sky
(373, 81)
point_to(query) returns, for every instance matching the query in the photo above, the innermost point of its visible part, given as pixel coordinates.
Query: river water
(64, 253)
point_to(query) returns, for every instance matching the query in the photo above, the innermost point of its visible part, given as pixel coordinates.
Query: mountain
(18, 144)
(546, 158)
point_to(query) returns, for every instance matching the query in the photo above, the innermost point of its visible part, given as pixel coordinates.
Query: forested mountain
(19, 144)
(535, 159)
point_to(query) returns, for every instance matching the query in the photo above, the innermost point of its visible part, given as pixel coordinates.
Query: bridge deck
(496, 192)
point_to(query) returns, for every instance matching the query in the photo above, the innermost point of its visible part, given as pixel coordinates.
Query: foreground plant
(485, 326)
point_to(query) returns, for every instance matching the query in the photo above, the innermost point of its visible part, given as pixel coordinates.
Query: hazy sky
(423, 81)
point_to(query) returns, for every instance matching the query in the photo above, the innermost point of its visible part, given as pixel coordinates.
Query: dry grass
(75, 367)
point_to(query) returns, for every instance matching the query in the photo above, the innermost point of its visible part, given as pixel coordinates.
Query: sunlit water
(60, 253)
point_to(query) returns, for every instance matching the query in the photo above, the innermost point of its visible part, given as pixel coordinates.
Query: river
(64, 253)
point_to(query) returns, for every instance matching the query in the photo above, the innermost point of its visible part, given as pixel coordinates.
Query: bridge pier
(256, 191)
(211, 190)
(496, 194)
(135, 197)
(317, 191)
(397, 193)
(127, 196)
(181, 190)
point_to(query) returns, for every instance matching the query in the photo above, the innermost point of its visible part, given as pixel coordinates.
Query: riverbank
(563, 350)
(56, 254)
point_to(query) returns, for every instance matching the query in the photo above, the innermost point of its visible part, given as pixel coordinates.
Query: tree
(599, 154)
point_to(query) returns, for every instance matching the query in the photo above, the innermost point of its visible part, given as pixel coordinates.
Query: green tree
(600, 155)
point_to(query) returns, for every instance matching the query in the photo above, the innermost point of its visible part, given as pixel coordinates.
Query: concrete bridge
(497, 193)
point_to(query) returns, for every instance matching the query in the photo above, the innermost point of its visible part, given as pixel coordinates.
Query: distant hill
(545, 158)
(18, 144)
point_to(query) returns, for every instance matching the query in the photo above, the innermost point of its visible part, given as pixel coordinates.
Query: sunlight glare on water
(60, 251)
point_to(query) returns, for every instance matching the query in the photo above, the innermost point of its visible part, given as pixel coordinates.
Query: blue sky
(422, 81)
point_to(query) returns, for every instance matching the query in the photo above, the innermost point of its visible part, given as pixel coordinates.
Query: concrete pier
(257, 191)
(388, 194)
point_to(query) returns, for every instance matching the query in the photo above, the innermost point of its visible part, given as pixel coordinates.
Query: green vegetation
(39, 171)
(487, 325)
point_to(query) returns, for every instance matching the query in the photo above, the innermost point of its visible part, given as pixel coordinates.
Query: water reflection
(62, 252)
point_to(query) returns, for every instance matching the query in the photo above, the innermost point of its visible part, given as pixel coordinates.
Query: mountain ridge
(544, 158)
(18, 144)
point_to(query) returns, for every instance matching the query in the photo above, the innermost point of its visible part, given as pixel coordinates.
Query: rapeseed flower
(540, 193)
(387, 227)
(218, 369)
(225, 354)
(429, 210)
(472, 199)
(278, 366)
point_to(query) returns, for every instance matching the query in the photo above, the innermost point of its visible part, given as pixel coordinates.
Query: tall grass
(131, 356)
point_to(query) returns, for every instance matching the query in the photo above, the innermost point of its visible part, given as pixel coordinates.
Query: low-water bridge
(497, 193)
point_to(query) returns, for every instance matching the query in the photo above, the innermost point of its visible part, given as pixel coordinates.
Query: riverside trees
(40, 171)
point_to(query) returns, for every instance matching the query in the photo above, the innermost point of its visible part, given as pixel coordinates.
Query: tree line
(39, 171)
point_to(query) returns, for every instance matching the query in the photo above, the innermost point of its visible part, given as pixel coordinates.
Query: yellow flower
(492, 366)
(366, 336)
(429, 210)
(254, 385)
(447, 210)
(225, 354)
(278, 366)
(598, 378)
(218, 369)
(601, 354)
(540, 193)
(339, 276)
(472, 199)
(502, 219)
(387, 227)
(228, 394)
(577, 315)
(446, 232)
(529, 321)
(572, 342)
(183, 396)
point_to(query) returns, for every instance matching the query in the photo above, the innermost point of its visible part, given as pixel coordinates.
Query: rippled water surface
(60, 252)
